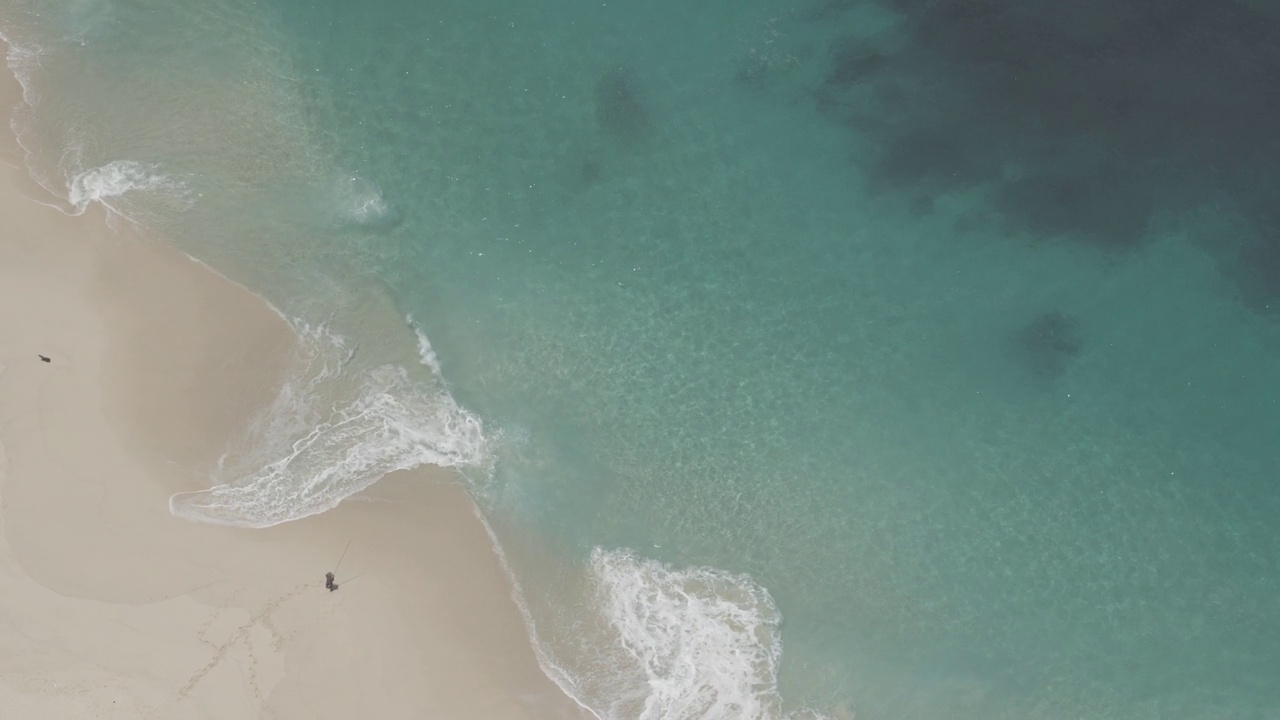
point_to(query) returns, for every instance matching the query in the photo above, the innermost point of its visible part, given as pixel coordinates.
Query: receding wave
(426, 353)
(697, 644)
(109, 183)
(23, 59)
(306, 452)
(678, 644)
(106, 183)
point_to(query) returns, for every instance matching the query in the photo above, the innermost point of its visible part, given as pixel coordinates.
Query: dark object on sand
(329, 584)
(1048, 342)
(45, 358)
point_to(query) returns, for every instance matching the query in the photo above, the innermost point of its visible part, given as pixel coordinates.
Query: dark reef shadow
(1046, 344)
(621, 111)
(928, 161)
(1253, 269)
(1104, 208)
(852, 64)
(1082, 121)
(590, 172)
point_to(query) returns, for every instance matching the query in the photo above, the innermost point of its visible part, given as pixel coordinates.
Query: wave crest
(322, 457)
(700, 643)
(426, 354)
(115, 179)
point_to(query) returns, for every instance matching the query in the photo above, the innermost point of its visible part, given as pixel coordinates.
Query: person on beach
(329, 584)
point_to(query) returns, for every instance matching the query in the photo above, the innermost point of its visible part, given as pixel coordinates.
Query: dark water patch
(854, 88)
(1083, 119)
(928, 161)
(590, 172)
(1101, 207)
(1139, 77)
(846, 88)
(1243, 241)
(853, 64)
(921, 205)
(1254, 269)
(826, 10)
(620, 108)
(1047, 343)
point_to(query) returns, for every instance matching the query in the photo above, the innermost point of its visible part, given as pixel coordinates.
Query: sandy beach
(112, 608)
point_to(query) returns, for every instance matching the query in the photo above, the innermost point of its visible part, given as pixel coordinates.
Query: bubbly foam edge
(14, 54)
(557, 674)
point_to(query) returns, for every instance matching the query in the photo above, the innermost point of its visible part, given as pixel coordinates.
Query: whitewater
(786, 310)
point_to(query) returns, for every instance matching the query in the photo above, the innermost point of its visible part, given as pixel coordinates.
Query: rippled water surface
(906, 359)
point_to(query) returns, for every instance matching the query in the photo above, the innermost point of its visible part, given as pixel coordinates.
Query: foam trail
(23, 60)
(298, 460)
(700, 643)
(322, 356)
(390, 426)
(360, 201)
(106, 183)
(425, 352)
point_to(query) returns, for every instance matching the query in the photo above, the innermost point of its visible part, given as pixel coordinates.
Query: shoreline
(114, 608)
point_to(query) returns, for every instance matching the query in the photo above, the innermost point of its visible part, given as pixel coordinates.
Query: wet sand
(110, 607)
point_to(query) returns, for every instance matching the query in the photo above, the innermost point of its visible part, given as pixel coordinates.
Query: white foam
(105, 183)
(23, 59)
(322, 356)
(701, 643)
(306, 453)
(360, 201)
(425, 352)
(392, 425)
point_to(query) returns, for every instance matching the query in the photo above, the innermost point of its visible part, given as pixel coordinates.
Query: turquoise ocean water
(901, 359)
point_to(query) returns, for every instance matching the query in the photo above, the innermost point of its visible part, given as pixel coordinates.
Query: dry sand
(112, 608)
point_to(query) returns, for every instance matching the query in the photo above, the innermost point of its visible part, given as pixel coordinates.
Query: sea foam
(306, 452)
(426, 353)
(23, 60)
(700, 643)
(81, 184)
(360, 201)
(105, 183)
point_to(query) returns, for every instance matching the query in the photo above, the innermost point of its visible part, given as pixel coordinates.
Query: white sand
(112, 608)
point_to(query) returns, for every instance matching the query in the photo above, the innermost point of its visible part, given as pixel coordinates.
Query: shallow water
(909, 359)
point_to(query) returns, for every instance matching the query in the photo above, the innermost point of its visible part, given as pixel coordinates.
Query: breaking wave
(425, 352)
(681, 644)
(300, 458)
(106, 183)
(698, 644)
